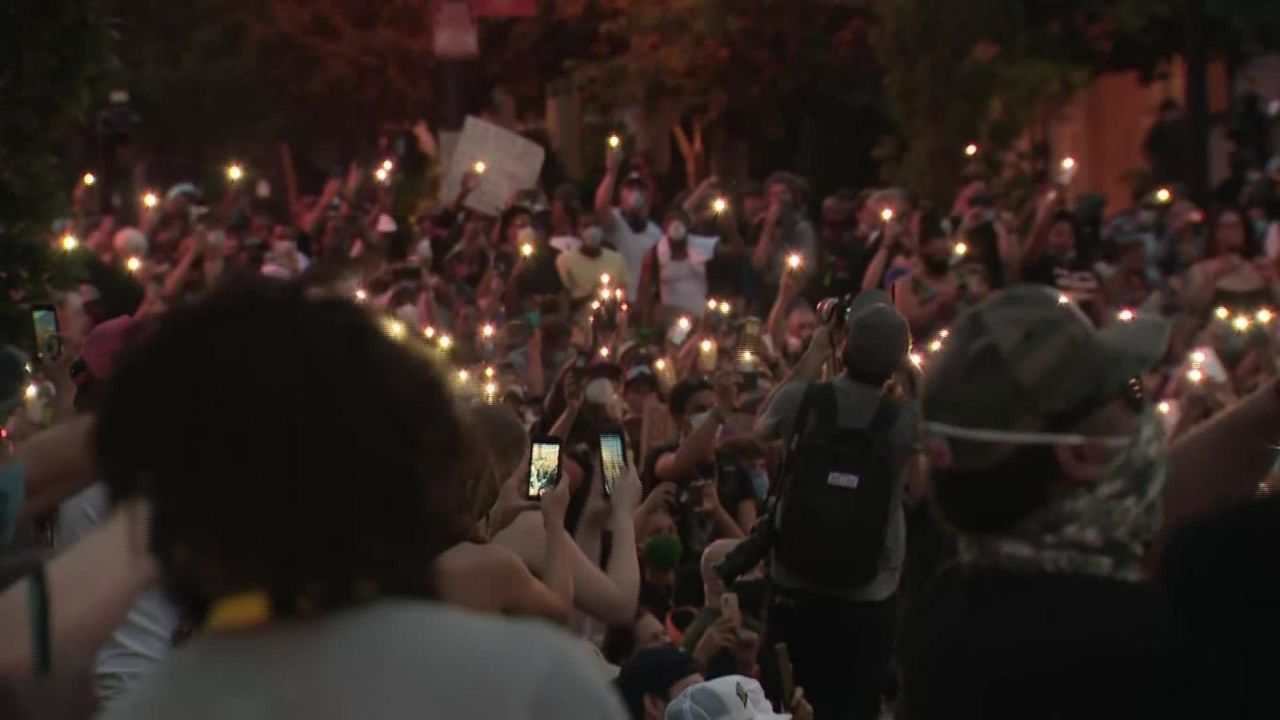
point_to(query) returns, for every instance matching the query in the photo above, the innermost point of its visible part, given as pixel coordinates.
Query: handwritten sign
(512, 163)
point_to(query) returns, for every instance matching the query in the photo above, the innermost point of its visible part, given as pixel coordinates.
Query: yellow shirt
(581, 274)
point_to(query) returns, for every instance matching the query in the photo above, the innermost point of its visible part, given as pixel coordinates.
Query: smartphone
(44, 319)
(729, 608)
(786, 674)
(613, 458)
(679, 332)
(544, 467)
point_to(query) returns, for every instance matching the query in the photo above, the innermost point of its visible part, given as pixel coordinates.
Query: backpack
(835, 493)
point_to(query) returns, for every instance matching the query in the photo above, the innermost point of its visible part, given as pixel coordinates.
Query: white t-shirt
(683, 283)
(145, 638)
(390, 659)
(633, 246)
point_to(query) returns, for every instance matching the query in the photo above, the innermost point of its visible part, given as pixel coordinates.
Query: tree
(957, 71)
(50, 56)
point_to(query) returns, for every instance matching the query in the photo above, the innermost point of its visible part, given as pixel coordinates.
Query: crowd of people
(317, 456)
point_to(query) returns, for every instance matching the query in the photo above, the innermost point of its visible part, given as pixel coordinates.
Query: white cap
(600, 391)
(129, 242)
(386, 224)
(732, 697)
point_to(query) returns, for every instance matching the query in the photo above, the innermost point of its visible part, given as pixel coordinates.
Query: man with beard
(927, 297)
(843, 248)
(626, 227)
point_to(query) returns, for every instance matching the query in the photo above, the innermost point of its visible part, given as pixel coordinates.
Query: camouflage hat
(1024, 358)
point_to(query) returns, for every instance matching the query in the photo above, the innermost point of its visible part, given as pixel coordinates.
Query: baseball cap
(878, 337)
(1013, 365)
(634, 179)
(653, 671)
(732, 697)
(103, 345)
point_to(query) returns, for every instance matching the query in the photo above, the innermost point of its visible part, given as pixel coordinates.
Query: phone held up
(544, 467)
(613, 458)
(44, 320)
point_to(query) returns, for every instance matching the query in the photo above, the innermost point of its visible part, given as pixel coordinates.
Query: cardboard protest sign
(511, 163)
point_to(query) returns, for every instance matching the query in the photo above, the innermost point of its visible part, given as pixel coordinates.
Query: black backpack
(835, 493)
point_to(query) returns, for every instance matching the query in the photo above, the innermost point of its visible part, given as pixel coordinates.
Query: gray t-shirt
(856, 405)
(391, 659)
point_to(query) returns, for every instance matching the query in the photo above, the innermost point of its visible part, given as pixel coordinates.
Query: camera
(743, 558)
(834, 311)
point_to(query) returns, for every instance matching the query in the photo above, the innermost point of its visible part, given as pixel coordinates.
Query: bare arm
(1224, 459)
(764, 248)
(675, 466)
(604, 192)
(113, 561)
(58, 463)
(876, 268)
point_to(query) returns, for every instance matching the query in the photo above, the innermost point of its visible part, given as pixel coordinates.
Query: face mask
(591, 238)
(935, 266)
(600, 392)
(759, 482)
(696, 421)
(408, 314)
(1100, 529)
(677, 231)
(795, 346)
(636, 201)
(1260, 228)
(662, 552)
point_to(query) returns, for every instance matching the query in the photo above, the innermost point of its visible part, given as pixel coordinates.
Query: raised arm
(604, 193)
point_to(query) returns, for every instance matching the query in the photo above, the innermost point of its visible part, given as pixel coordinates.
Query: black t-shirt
(696, 530)
(539, 276)
(987, 643)
(1221, 574)
(843, 267)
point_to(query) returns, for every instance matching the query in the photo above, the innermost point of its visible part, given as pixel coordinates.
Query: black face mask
(936, 267)
(751, 595)
(636, 223)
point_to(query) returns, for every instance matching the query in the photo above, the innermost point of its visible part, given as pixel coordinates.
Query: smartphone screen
(613, 459)
(729, 608)
(679, 333)
(44, 319)
(544, 467)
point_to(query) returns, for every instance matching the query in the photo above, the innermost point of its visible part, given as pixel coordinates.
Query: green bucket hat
(1013, 364)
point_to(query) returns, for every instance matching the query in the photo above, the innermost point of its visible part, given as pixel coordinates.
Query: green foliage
(50, 55)
(211, 78)
(959, 71)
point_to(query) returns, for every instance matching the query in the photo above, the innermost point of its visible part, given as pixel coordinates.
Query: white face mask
(677, 231)
(636, 201)
(591, 237)
(695, 421)
(600, 392)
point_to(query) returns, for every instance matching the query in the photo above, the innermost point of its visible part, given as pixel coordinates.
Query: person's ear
(1080, 464)
(655, 708)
